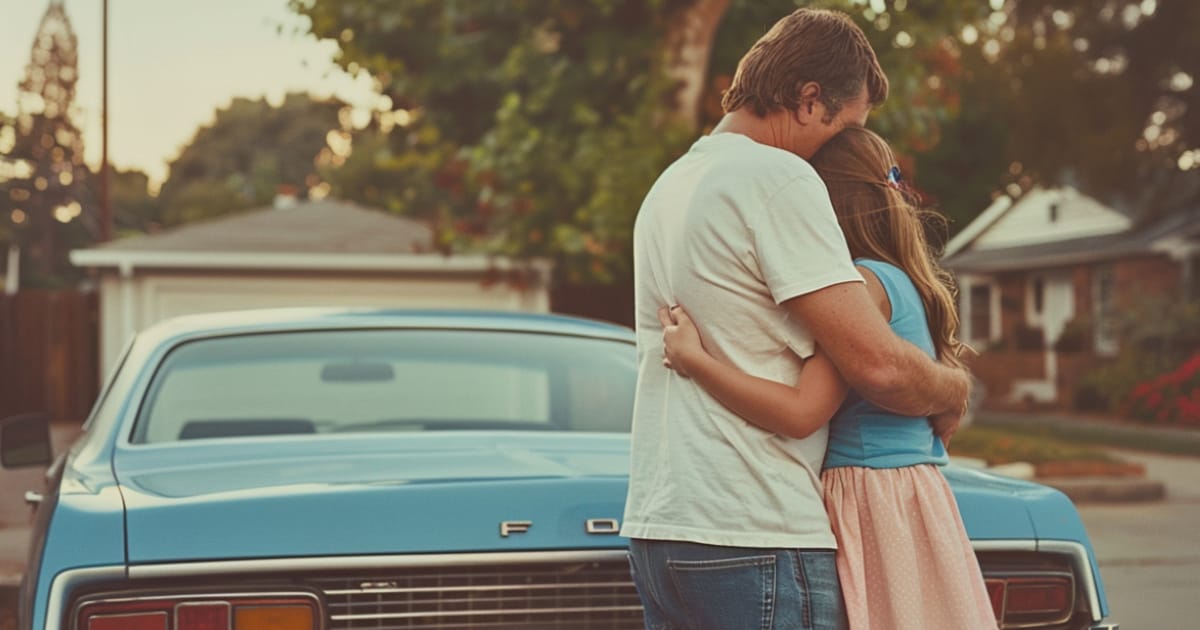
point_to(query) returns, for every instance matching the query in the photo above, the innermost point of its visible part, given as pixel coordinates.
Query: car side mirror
(25, 440)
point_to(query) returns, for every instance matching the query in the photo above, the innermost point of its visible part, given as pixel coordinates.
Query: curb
(1107, 489)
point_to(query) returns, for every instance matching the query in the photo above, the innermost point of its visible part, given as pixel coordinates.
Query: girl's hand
(682, 346)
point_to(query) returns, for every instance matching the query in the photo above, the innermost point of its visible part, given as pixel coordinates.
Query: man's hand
(946, 424)
(885, 369)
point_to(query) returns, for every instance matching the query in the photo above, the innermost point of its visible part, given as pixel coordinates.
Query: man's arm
(882, 367)
(795, 411)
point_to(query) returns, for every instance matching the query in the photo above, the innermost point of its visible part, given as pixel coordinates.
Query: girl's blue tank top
(863, 434)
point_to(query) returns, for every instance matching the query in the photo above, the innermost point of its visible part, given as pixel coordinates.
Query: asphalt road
(1149, 553)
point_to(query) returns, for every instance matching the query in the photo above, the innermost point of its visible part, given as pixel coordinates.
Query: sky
(172, 64)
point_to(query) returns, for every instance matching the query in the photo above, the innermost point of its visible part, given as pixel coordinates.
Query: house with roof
(296, 254)
(1043, 279)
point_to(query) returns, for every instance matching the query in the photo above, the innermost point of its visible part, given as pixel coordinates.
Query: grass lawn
(1127, 436)
(1050, 456)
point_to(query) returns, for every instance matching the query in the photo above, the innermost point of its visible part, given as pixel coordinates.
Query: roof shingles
(309, 227)
(1075, 251)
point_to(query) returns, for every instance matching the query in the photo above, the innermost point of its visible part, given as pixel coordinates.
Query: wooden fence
(49, 353)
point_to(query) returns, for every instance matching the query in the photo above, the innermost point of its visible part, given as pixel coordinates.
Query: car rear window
(388, 380)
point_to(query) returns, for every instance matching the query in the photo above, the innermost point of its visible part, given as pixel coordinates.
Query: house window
(1105, 309)
(1039, 294)
(981, 311)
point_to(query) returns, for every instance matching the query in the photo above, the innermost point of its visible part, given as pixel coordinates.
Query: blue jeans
(688, 586)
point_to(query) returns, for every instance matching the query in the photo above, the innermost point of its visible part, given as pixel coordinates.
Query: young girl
(904, 559)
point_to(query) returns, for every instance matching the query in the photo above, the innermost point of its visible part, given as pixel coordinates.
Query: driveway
(15, 515)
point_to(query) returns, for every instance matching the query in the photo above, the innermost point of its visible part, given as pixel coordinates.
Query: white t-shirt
(729, 231)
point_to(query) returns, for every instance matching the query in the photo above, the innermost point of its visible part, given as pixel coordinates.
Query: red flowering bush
(1171, 398)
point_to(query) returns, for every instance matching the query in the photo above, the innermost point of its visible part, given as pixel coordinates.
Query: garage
(296, 254)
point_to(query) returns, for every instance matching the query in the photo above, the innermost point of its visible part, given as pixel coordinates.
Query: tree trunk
(689, 39)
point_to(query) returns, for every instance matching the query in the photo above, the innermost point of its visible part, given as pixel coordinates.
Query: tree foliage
(45, 205)
(8, 140)
(242, 158)
(534, 127)
(1095, 93)
(135, 210)
(526, 127)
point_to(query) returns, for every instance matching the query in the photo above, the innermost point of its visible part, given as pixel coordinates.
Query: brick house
(1042, 279)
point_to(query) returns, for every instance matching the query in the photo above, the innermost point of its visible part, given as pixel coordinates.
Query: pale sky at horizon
(172, 64)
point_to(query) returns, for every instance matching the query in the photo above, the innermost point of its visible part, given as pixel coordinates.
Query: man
(727, 524)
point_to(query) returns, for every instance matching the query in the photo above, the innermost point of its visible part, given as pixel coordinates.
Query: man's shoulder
(743, 158)
(731, 172)
(761, 184)
(769, 163)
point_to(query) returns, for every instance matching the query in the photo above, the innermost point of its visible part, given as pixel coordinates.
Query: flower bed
(1172, 398)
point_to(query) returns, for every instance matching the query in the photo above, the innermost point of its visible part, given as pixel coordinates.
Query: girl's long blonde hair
(880, 223)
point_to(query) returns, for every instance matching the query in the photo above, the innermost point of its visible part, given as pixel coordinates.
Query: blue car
(339, 469)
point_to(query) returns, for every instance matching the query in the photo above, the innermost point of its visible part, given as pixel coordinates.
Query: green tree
(135, 210)
(534, 127)
(245, 155)
(8, 140)
(526, 128)
(44, 201)
(1098, 94)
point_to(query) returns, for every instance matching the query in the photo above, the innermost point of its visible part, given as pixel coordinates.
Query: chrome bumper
(1079, 559)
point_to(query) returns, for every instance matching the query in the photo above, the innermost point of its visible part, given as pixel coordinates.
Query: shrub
(1107, 386)
(1157, 337)
(1171, 398)
(1026, 337)
(1077, 336)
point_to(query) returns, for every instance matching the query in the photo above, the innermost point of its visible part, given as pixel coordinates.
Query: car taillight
(1038, 595)
(201, 612)
(272, 617)
(1023, 601)
(129, 621)
(203, 615)
(995, 589)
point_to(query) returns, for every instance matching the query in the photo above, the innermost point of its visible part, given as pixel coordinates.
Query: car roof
(307, 319)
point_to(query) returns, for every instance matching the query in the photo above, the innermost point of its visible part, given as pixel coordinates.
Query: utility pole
(106, 215)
